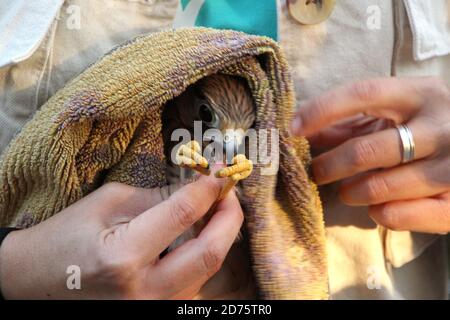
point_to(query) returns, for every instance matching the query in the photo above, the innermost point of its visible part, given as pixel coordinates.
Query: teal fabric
(258, 17)
(184, 3)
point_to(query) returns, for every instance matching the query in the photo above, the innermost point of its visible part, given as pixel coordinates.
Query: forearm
(25, 257)
(7, 263)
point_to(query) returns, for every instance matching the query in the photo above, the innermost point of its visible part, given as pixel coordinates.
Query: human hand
(116, 235)
(355, 126)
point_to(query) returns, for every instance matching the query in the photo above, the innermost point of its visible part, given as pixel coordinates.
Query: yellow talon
(241, 169)
(188, 155)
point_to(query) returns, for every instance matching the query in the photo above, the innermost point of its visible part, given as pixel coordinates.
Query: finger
(148, 198)
(411, 181)
(381, 149)
(390, 98)
(431, 215)
(178, 274)
(339, 133)
(194, 262)
(128, 202)
(156, 228)
(377, 150)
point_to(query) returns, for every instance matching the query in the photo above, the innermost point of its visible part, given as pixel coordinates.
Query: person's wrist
(8, 255)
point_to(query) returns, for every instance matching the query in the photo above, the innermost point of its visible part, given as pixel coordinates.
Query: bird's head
(225, 103)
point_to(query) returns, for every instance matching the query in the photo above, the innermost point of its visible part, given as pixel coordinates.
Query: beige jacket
(45, 43)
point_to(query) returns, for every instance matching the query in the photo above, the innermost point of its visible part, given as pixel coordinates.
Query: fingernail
(296, 125)
(212, 177)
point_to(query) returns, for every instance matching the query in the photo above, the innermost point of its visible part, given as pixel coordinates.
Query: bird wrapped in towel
(106, 125)
(223, 107)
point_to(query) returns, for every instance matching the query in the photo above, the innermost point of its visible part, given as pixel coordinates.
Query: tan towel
(105, 125)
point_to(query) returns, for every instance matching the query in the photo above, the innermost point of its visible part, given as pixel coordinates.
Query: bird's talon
(240, 169)
(189, 156)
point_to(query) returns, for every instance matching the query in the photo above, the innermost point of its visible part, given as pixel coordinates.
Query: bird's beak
(233, 143)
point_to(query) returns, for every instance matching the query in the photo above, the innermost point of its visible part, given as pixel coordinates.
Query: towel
(105, 125)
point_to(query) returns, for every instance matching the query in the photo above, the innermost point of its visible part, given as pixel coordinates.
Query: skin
(116, 235)
(352, 129)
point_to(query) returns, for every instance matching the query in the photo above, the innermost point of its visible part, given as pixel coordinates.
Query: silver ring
(407, 140)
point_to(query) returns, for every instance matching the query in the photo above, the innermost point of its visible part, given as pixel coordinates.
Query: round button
(310, 11)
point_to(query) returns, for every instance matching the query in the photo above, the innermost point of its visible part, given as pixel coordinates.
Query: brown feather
(228, 96)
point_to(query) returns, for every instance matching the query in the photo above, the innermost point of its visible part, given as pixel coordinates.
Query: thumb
(151, 232)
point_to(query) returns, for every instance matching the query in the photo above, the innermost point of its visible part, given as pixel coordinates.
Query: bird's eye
(207, 115)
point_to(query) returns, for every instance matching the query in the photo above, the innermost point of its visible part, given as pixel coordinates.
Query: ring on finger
(407, 142)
